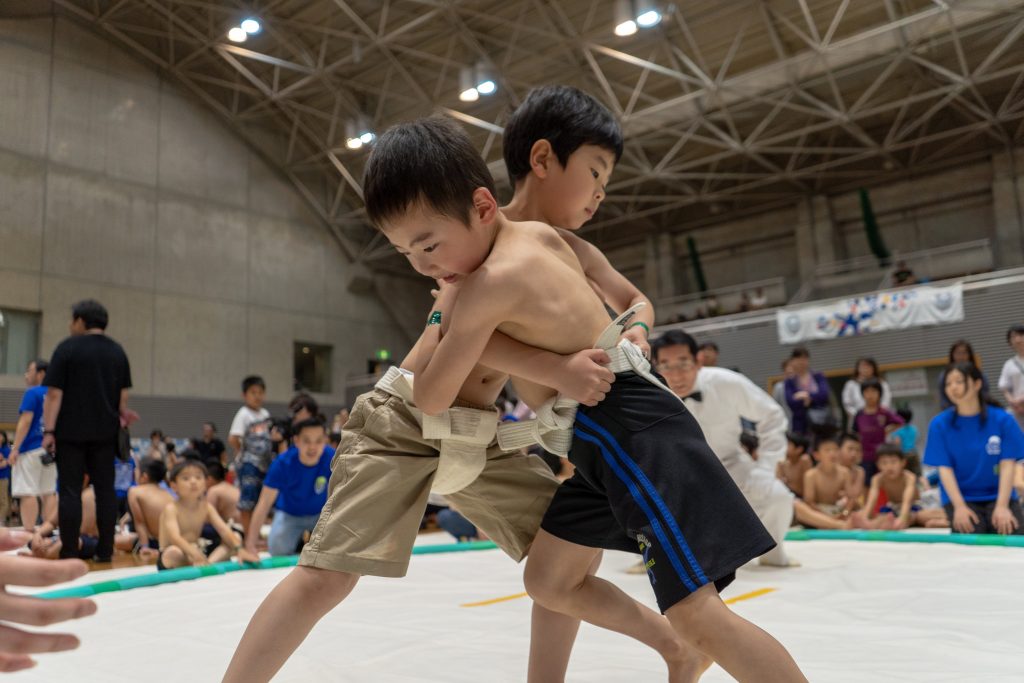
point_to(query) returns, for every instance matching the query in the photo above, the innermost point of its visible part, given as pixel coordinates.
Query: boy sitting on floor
(900, 487)
(296, 486)
(182, 523)
(147, 501)
(828, 487)
(797, 463)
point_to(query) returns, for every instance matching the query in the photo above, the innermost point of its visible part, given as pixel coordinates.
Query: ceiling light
(237, 35)
(354, 143)
(367, 138)
(624, 23)
(467, 85)
(486, 88)
(251, 26)
(649, 19)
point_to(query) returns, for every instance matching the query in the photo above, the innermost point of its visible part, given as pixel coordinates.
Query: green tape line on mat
(904, 537)
(191, 573)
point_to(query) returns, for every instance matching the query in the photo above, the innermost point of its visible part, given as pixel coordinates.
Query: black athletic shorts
(647, 482)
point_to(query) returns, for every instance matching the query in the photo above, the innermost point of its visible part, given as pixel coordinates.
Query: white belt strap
(464, 433)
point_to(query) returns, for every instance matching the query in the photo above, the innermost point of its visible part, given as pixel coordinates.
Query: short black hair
(92, 313)
(799, 440)
(800, 352)
(871, 383)
(906, 413)
(870, 361)
(156, 432)
(673, 338)
(430, 160)
(303, 400)
(155, 469)
(184, 465)
(830, 437)
(42, 365)
(566, 117)
(253, 381)
(1014, 329)
(890, 449)
(191, 454)
(709, 345)
(212, 425)
(171, 447)
(216, 470)
(848, 436)
(305, 424)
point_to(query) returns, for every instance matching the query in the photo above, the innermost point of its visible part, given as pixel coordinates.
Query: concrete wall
(975, 201)
(115, 184)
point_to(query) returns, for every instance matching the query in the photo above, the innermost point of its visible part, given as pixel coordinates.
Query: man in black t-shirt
(88, 382)
(209, 447)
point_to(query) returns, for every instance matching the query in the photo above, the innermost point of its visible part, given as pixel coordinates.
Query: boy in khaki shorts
(384, 445)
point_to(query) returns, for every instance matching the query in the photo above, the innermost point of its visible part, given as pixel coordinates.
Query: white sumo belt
(466, 433)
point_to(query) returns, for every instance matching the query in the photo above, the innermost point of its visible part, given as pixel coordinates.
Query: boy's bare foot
(858, 520)
(937, 524)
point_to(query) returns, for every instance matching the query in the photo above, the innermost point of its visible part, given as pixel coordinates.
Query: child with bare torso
(796, 464)
(900, 488)
(147, 501)
(182, 523)
(850, 455)
(828, 489)
(220, 494)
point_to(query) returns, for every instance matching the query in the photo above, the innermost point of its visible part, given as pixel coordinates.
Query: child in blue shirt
(296, 486)
(976, 446)
(5, 478)
(906, 438)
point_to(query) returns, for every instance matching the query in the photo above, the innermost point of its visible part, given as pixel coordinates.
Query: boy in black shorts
(646, 480)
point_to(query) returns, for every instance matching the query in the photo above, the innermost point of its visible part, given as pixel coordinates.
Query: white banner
(879, 312)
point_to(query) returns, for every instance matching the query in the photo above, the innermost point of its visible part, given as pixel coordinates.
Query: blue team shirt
(5, 472)
(33, 402)
(974, 450)
(301, 490)
(907, 435)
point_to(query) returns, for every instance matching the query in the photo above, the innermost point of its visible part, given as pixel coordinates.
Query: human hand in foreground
(16, 645)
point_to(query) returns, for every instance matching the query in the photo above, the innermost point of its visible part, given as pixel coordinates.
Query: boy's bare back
(152, 500)
(224, 499)
(792, 473)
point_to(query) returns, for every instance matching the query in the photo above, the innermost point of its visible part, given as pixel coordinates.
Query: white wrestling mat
(854, 611)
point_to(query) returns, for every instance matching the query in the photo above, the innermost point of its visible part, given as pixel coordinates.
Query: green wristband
(435, 318)
(641, 324)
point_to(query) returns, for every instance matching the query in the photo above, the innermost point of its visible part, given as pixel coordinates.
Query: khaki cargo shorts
(381, 476)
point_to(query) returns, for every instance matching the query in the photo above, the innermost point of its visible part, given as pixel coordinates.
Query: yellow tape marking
(751, 595)
(746, 596)
(484, 603)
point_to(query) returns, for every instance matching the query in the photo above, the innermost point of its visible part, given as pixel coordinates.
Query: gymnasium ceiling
(729, 106)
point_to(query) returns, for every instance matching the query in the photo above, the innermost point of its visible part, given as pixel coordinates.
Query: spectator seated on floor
(850, 455)
(828, 488)
(901, 508)
(146, 502)
(796, 464)
(46, 541)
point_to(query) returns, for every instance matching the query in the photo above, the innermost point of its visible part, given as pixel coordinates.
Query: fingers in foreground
(23, 609)
(12, 663)
(26, 571)
(12, 540)
(14, 641)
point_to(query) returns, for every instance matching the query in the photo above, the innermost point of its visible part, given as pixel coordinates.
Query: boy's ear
(541, 156)
(485, 206)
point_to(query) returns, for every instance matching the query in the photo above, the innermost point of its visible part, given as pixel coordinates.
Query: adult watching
(88, 382)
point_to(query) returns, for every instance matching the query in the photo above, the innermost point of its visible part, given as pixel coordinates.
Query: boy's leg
(49, 507)
(285, 533)
(556, 577)
(552, 635)
(745, 651)
(250, 482)
(29, 507)
(172, 557)
(284, 619)
(810, 516)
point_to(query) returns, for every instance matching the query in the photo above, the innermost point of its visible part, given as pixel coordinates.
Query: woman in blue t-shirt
(976, 445)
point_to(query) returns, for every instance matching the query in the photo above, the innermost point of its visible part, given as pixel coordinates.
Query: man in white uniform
(719, 399)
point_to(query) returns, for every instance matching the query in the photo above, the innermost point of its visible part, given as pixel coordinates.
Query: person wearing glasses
(721, 400)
